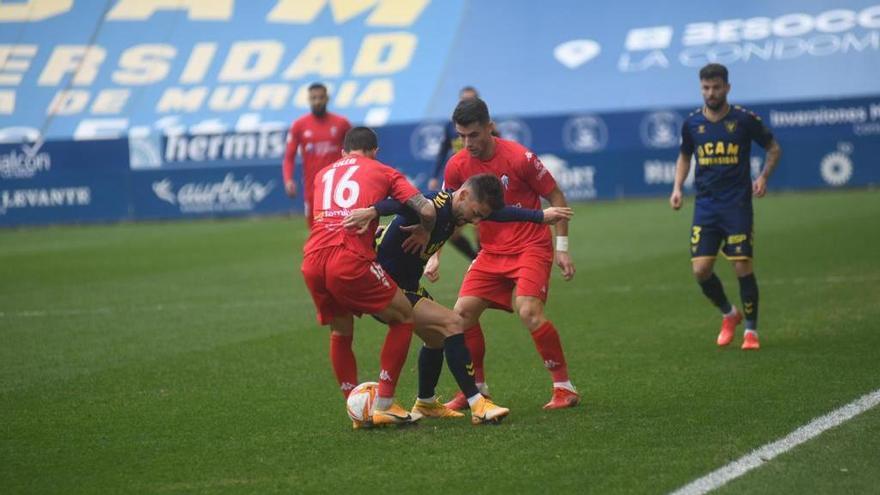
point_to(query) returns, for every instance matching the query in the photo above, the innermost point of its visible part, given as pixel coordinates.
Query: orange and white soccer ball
(361, 401)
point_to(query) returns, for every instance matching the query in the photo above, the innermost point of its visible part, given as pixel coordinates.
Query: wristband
(562, 243)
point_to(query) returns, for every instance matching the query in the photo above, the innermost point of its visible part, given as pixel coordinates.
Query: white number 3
(346, 192)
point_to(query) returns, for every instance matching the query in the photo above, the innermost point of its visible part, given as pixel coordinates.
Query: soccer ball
(361, 401)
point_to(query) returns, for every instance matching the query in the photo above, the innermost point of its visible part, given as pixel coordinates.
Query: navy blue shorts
(729, 229)
(414, 298)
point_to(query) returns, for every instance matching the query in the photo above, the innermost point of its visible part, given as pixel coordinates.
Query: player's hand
(563, 260)
(675, 199)
(759, 187)
(417, 240)
(432, 268)
(433, 184)
(554, 214)
(290, 188)
(359, 219)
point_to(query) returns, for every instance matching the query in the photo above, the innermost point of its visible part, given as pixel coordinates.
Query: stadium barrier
(826, 144)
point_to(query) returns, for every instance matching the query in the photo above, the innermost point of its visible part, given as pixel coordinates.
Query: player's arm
(289, 163)
(360, 218)
(419, 234)
(563, 259)
(682, 168)
(682, 165)
(774, 153)
(549, 216)
(440, 163)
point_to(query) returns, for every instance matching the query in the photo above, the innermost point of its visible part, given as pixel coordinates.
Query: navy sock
(748, 293)
(430, 366)
(458, 358)
(713, 289)
(462, 244)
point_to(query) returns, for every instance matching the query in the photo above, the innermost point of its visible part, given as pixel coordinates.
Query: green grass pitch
(184, 357)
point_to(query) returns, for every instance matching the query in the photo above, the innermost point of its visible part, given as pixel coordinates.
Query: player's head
(477, 198)
(361, 141)
(467, 93)
(318, 99)
(714, 86)
(473, 125)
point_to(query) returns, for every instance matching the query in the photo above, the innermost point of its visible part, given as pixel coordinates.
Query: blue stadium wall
(131, 109)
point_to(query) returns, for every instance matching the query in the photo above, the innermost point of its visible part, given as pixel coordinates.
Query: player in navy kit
(720, 136)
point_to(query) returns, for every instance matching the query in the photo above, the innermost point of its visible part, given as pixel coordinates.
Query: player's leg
(462, 244)
(738, 248)
(469, 308)
(432, 321)
(331, 312)
(341, 353)
(706, 239)
(399, 316)
(548, 344)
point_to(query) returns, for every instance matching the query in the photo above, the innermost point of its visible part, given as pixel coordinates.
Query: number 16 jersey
(352, 182)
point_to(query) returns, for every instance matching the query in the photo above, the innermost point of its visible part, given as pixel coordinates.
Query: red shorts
(493, 276)
(343, 282)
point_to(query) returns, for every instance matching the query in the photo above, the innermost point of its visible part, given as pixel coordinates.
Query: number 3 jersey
(352, 182)
(723, 154)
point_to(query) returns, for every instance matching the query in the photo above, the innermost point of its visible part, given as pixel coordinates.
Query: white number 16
(346, 192)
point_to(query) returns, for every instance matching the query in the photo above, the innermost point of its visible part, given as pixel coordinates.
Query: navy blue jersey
(723, 150)
(406, 269)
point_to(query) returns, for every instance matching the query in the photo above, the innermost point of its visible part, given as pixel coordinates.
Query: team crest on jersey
(505, 181)
(307, 133)
(730, 125)
(701, 129)
(333, 131)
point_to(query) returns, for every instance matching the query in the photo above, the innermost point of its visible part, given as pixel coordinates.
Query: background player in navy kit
(480, 198)
(452, 143)
(721, 136)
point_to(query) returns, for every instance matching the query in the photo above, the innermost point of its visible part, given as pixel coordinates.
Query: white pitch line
(758, 457)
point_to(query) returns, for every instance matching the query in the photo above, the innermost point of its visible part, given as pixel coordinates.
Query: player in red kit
(518, 255)
(340, 269)
(318, 137)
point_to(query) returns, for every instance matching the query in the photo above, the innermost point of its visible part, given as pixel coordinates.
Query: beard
(319, 111)
(715, 105)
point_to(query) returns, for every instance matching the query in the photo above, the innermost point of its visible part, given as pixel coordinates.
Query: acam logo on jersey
(228, 195)
(25, 162)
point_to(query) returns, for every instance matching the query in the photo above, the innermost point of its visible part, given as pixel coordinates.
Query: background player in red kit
(340, 269)
(318, 136)
(513, 255)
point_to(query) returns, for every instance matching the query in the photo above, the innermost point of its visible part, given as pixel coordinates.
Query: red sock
(393, 356)
(476, 344)
(550, 348)
(344, 363)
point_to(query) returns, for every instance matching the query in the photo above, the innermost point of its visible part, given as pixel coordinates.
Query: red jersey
(525, 181)
(352, 182)
(319, 139)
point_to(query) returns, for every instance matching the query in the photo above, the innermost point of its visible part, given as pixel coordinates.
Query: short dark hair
(317, 85)
(712, 71)
(487, 189)
(469, 111)
(360, 138)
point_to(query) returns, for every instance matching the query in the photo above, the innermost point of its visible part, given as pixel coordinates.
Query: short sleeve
(533, 172)
(687, 141)
(400, 189)
(758, 132)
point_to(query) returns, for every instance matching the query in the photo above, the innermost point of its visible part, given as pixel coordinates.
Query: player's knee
(454, 324)
(702, 271)
(742, 268)
(531, 315)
